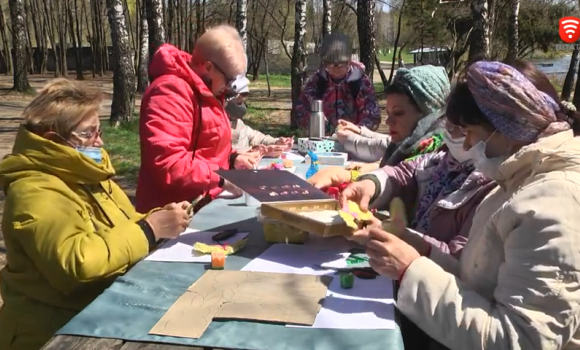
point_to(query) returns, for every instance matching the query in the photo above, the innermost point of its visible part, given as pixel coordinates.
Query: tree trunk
(365, 23)
(242, 21)
(479, 40)
(569, 81)
(298, 56)
(79, 34)
(123, 71)
(399, 24)
(326, 17)
(381, 72)
(5, 42)
(513, 32)
(143, 79)
(155, 24)
(19, 46)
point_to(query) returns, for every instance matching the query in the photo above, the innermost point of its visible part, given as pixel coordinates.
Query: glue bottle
(317, 120)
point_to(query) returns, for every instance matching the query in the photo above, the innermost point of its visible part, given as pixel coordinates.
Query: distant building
(436, 56)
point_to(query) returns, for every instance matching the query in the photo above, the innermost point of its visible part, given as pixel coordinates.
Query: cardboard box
(315, 145)
(289, 213)
(330, 158)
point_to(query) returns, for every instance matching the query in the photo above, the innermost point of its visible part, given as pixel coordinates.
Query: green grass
(122, 144)
(276, 80)
(407, 57)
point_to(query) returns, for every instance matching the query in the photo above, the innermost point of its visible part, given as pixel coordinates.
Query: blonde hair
(224, 46)
(60, 106)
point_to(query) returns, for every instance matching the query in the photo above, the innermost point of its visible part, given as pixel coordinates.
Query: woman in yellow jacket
(69, 229)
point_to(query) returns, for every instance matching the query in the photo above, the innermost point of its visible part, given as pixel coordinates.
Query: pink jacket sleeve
(167, 137)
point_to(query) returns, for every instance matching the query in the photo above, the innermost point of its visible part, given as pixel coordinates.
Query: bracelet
(354, 175)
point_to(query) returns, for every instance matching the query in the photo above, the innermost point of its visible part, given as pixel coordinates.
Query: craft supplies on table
(218, 260)
(278, 232)
(368, 304)
(181, 249)
(330, 158)
(265, 188)
(324, 144)
(347, 280)
(310, 216)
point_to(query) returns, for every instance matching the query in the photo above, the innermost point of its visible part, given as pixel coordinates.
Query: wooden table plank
(66, 342)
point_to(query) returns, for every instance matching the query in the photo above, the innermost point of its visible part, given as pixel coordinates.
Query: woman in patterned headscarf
(516, 285)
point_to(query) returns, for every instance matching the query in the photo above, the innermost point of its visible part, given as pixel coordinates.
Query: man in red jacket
(185, 133)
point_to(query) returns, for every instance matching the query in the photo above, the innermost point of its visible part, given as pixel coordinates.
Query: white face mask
(486, 166)
(455, 146)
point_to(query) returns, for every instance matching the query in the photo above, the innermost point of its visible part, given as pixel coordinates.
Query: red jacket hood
(169, 60)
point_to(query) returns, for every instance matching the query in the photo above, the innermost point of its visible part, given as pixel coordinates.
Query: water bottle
(317, 120)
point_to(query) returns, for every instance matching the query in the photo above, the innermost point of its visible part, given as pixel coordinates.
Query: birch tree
(142, 76)
(20, 61)
(479, 41)
(326, 17)
(123, 68)
(513, 34)
(365, 22)
(242, 21)
(298, 56)
(155, 24)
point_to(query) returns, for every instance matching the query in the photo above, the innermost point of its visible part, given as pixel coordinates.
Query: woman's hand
(360, 192)
(331, 176)
(389, 255)
(348, 126)
(170, 221)
(343, 134)
(361, 236)
(248, 160)
(274, 151)
(363, 167)
(287, 142)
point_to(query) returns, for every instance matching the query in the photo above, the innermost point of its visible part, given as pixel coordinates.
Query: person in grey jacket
(414, 103)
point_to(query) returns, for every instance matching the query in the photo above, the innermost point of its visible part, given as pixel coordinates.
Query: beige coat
(516, 285)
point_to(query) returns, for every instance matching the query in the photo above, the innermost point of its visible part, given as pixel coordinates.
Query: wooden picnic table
(254, 247)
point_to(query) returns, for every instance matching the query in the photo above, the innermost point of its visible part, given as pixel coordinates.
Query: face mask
(455, 146)
(486, 166)
(235, 110)
(92, 152)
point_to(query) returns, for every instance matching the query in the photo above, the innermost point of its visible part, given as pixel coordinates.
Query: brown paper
(260, 296)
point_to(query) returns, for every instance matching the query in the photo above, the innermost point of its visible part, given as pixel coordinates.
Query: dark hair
(463, 110)
(398, 89)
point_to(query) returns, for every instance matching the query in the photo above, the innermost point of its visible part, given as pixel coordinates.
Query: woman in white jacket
(517, 283)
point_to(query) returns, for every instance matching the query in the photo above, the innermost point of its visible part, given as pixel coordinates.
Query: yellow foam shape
(227, 249)
(398, 217)
(354, 213)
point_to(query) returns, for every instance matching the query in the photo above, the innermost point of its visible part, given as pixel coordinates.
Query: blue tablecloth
(135, 302)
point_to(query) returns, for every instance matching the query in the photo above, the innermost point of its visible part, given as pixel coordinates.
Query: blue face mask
(92, 152)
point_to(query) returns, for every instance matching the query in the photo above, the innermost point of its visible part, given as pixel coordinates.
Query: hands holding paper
(248, 159)
(344, 129)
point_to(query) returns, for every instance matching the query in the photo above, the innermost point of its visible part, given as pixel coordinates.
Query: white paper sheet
(368, 305)
(180, 249)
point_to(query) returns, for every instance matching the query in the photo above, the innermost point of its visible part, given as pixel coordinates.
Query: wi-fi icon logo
(569, 29)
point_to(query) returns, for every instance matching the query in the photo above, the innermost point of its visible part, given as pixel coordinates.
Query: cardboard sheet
(261, 296)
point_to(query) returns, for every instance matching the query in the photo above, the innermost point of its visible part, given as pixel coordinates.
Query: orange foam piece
(218, 260)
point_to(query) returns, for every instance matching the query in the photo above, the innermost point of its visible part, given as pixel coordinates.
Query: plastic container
(278, 232)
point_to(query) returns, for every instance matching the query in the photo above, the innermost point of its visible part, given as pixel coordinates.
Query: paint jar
(251, 201)
(278, 232)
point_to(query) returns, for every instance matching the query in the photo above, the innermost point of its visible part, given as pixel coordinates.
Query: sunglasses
(228, 79)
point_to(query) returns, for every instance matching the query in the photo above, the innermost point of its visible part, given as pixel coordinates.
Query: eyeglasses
(228, 79)
(335, 65)
(89, 135)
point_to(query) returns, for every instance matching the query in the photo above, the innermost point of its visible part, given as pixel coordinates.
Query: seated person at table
(184, 131)
(243, 136)
(69, 229)
(415, 120)
(516, 284)
(414, 101)
(342, 85)
(440, 190)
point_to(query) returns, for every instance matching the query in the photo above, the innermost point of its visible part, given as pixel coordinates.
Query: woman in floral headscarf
(516, 285)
